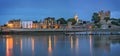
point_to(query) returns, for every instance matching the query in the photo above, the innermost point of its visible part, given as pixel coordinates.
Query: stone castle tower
(102, 15)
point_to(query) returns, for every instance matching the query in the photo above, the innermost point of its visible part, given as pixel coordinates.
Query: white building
(26, 24)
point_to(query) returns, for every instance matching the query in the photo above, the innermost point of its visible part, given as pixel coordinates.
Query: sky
(40, 9)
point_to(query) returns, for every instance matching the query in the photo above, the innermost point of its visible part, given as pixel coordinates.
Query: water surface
(59, 45)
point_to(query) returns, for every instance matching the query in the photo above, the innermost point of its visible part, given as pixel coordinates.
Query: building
(103, 15)
(46, 24)
(36, 24)
(69, 25)
(78, 21)
(76, 18)
(27, 24)
(14, 24)
(49, 23)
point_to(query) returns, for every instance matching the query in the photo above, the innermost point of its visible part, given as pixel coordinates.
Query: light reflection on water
(32, 46)
(50, 46)
(60, 45)
(90, 45)
(9, 46)
(71, 42)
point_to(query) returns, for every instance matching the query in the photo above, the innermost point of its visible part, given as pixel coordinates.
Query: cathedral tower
(76, 17)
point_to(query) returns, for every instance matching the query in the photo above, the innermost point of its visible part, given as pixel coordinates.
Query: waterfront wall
(63, 31)
(93, 33)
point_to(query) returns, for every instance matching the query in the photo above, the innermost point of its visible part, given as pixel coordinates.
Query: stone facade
(14, 24)
(102, 15)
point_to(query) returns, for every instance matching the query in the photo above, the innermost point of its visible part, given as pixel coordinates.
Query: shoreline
(58, 33)
(61, 31)
(93, 33)
(30, 33)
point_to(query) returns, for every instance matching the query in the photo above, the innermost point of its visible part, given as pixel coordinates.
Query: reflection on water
(21, 46)
(77, 43)
(33, 46)
(90, 45)
(55, 41)
(50, 46)
(60, 45)
(71, 42)
(9, 45)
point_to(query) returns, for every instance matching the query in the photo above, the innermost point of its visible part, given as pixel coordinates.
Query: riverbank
(30, 33)
(61, 31)
(57, 33)
(93, 33)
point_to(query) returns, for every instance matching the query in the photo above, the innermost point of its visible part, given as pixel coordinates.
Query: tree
(49, 19)
(84, 22)
(72, 20)
(119, 20)
(5, 25)
(107, 18)
(95, 17)
(98, 25)
(35, 21)
(62, 21)
(115, 23)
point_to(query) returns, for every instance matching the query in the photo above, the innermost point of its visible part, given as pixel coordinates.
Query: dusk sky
(40, 9)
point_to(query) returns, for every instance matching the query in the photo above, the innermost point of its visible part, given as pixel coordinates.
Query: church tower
(76, 17)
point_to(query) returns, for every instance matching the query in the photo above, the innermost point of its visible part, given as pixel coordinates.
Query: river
(59, 45)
